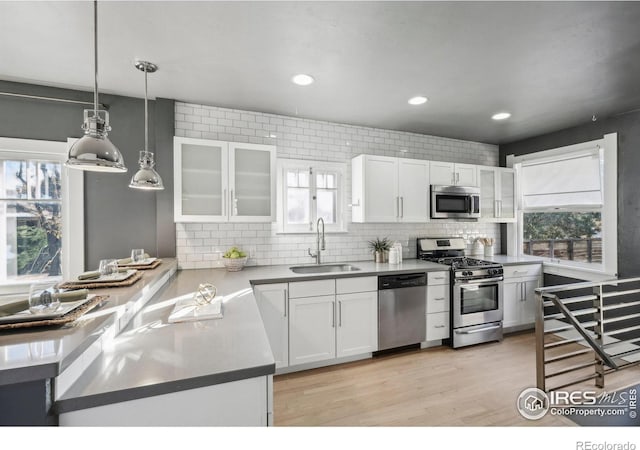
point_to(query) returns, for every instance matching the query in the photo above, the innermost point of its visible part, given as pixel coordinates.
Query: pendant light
(146, 177)
(94, 151)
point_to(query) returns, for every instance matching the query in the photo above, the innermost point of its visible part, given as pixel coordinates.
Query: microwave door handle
(469, 204)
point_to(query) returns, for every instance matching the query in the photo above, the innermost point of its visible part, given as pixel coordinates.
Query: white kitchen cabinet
(312, 329)
(332, 318)
(497, 194)
(357, 329)
(388, 189)
(520, 283)
(217, 181)
(452, 174)
(272, 302)
(413, 190)
(438, 306)
(312, 321)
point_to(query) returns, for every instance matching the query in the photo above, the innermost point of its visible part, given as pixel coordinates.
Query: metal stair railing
(579, 326)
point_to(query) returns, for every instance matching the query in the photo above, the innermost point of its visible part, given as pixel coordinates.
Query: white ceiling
(551, 64)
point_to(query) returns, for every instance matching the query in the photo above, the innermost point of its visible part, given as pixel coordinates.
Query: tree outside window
(31, 218)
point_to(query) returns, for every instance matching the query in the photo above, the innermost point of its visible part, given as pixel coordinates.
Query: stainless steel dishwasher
(402, 306)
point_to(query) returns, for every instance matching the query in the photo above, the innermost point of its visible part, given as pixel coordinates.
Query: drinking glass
(108, 267)
(44, 297)
(137, 255)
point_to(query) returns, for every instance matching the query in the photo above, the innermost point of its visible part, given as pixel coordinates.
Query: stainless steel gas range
(476, 291)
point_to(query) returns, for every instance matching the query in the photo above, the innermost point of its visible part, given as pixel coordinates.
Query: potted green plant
(380, 249)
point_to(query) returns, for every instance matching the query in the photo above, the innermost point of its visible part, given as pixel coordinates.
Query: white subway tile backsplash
(200, 245)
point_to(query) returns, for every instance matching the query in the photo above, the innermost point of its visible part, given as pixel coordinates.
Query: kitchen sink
(324, 268)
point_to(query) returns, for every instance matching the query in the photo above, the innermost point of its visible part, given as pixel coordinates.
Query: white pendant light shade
(94, 151)
(146, 177)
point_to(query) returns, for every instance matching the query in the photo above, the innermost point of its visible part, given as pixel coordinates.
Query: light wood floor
(473, 386)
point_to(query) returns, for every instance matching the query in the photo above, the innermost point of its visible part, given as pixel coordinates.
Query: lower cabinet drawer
(522, 271)
(437, 298)
(437, 326)
(313, 288)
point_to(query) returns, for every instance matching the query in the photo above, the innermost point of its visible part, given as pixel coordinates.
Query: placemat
(89, 285)
(153, 265)
(68, 317)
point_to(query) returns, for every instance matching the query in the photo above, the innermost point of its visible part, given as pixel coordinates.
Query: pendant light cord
(95, 55)
(146, 114)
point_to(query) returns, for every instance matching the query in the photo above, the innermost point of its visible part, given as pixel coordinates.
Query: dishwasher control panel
(402, 281)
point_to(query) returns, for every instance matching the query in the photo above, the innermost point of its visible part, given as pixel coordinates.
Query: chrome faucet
(320, 243)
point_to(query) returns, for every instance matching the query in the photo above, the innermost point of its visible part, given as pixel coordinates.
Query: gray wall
(628, 128)
(117, 218)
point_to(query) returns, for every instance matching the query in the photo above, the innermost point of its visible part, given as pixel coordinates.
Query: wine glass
(44, 297)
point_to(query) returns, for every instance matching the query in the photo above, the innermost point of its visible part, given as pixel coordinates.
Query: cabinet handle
(339, 313)
(457, 177)
(224, 198)
(397, 207)
(495, 209)
(401, 207)
(233, 204)
(439, 298)
(500, 208)
(285, 303)
(439, 326)
(333, 314)
(521, 291)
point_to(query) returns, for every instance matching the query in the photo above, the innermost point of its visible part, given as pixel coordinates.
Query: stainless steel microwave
(455, 202)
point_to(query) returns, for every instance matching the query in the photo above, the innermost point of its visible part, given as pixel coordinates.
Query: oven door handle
(479, 330)
(480, 281)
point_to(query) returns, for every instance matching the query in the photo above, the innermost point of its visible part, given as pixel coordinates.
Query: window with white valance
(566, 182)
(567, 208)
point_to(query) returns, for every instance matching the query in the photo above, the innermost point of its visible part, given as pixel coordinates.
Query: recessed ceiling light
(419, 100)
(501, 116)
(302, 79)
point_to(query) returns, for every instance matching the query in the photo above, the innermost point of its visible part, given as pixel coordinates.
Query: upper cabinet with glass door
(497, 194)
(217, 181)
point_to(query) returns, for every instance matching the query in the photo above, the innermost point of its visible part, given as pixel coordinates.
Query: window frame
(72, 260)
(340, 169)
(609, 212)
